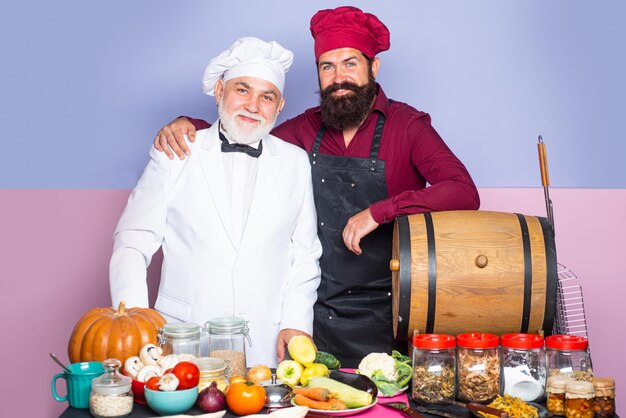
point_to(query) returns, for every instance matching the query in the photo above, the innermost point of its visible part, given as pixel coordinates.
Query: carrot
(331, 405)
(318, 394)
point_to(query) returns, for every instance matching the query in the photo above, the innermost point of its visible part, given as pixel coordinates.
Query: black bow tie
(251, 151)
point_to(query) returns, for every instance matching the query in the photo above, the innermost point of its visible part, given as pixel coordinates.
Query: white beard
(241, 133)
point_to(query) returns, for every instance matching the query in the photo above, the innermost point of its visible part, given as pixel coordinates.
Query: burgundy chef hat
(348, 27)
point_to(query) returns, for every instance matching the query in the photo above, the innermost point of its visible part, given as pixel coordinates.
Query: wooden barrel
(473, 271)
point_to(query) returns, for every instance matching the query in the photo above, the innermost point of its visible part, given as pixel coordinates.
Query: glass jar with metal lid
(478, 367)
(604, 401)
(180, 338)
(227, 336)
(211, 370)
(568, 354)
(579, 399)
(523, 366)
(111, 394)
(434, 366)
(555, 392)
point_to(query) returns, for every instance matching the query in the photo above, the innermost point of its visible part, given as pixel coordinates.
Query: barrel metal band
(552, 280)
(404, 305)
(432, 273)
(528, 273)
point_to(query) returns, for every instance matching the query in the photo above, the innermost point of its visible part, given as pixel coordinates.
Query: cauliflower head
(379, 361)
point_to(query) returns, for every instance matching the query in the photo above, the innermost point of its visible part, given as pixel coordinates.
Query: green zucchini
(352, 397)
(327, 359)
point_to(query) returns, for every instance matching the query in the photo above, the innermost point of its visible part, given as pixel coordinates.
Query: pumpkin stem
(121, 309)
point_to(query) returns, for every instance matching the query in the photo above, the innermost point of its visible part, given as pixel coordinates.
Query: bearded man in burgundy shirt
(371, 159)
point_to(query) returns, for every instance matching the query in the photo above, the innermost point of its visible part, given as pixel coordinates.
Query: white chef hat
(251, 57)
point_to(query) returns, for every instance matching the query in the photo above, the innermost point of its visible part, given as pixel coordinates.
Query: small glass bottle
(579, 399)
(434, 365)
(180, 337)
(523, 366)
(555, 391)
(568, 354)
(604, 400)
(227, 337)
(212, 370)
(478, 367)
(111, 394)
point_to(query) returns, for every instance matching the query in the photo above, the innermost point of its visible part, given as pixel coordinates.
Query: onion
(211, 399)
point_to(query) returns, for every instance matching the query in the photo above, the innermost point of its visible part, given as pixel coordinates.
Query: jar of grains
(434, 361)
(568, 354)
(579, 399)
(555, 391)
(180, 338)
(212, 370)
(523, 366)
(111, 394)
(604, 401)
(227, 337)
(478, 367)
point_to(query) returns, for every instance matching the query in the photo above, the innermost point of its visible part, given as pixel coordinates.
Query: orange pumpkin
(108, 333)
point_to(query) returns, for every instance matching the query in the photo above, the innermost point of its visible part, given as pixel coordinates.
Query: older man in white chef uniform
(236, 220)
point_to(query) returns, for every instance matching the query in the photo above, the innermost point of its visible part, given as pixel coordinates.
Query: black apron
(353, 310)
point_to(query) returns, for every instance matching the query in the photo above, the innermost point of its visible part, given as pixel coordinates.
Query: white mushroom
(148, 371)
(150, 353)
(132, 365)
(169, 361)
(169, 382)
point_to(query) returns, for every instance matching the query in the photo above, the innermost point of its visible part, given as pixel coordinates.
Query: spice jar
(478, 367)
(227, 337)
(568, 354)
(111, 394)
(434, 364)
(579, 399)
(180, 337)
(604, 400)
(555, 390)
(211, 370)
(523, 366)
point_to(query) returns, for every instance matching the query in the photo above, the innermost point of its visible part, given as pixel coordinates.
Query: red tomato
(153, 383)
(188, 374)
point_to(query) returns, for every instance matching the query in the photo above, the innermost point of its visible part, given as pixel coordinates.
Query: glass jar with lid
(434, 366)
(555, 391)
(478, 367)
(523, 366)
(111, 393)
(569, 354)
(604, 400)
(227, 337)
(180, 338)
(212, 370)
(579, 399)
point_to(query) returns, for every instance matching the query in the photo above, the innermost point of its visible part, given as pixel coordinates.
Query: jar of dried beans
(604, 401)
(568, 354)
(579, 399)
(555, 392)
(434, 361)
(227, 337)
(478, 367)
(523, 366)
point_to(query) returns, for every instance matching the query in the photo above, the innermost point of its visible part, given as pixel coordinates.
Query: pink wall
(55, 246)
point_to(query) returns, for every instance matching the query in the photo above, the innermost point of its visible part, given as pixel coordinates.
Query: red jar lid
(521, 341)
(434, 341)
(567, 342)
(477, 340)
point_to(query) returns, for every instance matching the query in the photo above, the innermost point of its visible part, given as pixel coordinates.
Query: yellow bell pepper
(302, 350)
(315, 370)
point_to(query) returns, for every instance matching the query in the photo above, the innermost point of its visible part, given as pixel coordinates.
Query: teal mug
(78, 383)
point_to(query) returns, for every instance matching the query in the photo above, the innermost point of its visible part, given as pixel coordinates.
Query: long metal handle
(545, 178)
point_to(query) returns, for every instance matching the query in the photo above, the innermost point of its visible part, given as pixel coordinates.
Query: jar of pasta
(478, 367)
(579, 399)
(555, 392)
(569, 354)
(434, 358)
(604, 400)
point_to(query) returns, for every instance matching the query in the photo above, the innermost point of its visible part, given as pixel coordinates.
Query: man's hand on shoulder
(357, 227)
(283, 339)
(171, 138)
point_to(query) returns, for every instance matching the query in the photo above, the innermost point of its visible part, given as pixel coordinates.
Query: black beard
(350, 110)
